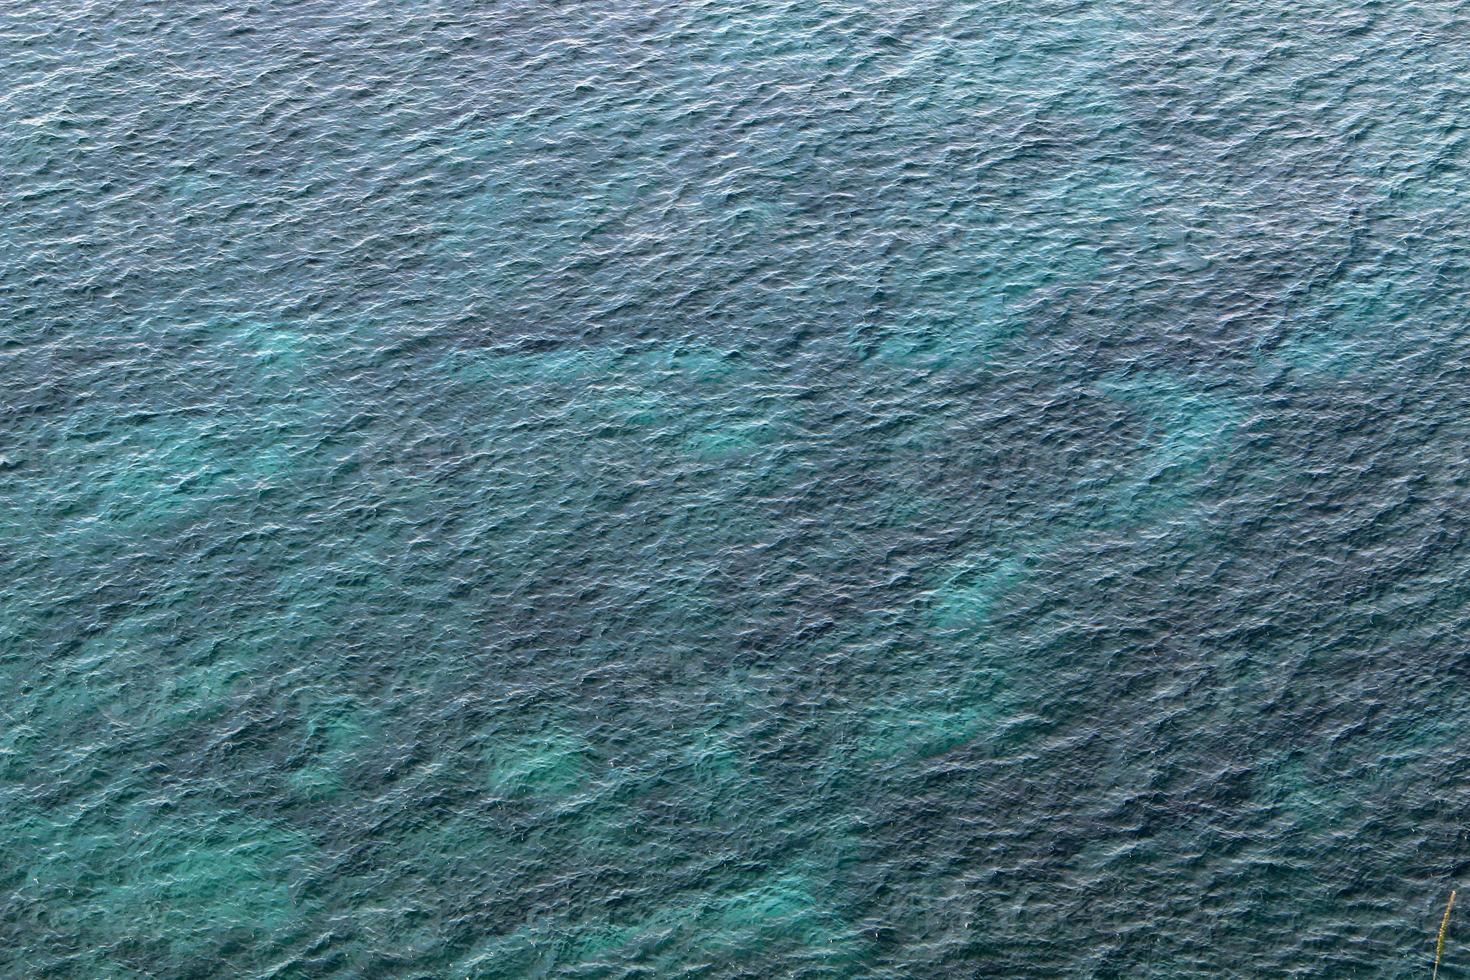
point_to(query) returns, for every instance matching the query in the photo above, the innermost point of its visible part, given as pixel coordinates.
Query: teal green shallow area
(733, 488)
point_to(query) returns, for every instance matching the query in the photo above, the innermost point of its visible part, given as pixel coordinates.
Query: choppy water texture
(733, 488)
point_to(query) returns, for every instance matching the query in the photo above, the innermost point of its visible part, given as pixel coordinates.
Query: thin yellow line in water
(1444, 927)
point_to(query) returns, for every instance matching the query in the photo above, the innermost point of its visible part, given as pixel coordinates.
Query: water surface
(733, 488)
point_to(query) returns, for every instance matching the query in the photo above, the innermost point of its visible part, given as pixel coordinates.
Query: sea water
(733, 488)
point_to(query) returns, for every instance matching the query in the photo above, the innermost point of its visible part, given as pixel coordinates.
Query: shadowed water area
(733, 488)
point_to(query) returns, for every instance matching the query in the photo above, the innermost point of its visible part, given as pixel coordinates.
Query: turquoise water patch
(969, 593)
(552, 762)
(189, 890)
(1188, 429)
(746, 927)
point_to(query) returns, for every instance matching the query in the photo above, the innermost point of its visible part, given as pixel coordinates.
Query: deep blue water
(733, 488)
